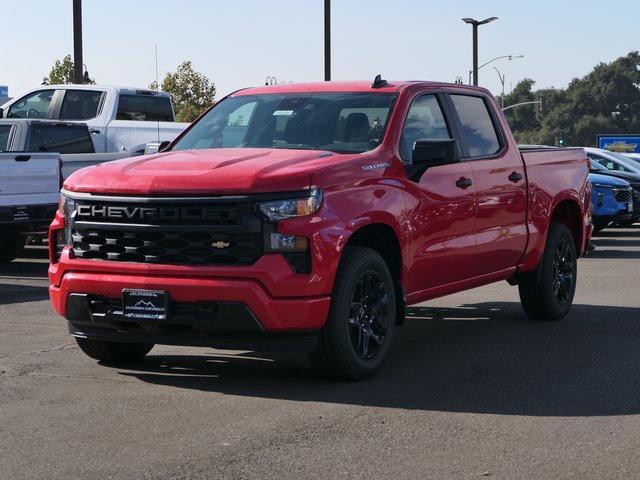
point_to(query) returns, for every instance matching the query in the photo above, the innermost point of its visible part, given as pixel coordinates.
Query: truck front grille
(192, 248)
(205, 231)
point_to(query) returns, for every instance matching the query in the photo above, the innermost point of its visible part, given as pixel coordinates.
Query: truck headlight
(290, 208)
(67, 208)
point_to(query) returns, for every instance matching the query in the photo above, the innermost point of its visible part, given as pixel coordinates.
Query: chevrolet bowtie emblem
(220, 245)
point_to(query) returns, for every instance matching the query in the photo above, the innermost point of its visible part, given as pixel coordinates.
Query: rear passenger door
(500, 184)
(84, 106)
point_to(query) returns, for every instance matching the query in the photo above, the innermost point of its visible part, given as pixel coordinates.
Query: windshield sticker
(283, 113)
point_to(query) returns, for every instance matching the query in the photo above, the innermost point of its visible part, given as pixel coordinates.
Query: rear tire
(547, 293)
(354, 342)
(114, 352)
(11, 247)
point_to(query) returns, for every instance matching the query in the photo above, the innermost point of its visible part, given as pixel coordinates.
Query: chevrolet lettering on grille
(141, 213)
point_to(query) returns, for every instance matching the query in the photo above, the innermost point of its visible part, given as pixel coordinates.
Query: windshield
(628, 160)
(337, 122)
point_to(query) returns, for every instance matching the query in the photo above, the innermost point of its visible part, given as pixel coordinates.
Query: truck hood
(214, 171)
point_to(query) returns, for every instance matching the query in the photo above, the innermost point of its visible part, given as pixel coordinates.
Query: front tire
(113, 352)
(547, 293)
(356, 338)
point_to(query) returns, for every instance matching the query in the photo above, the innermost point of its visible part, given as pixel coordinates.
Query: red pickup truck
(308, 216)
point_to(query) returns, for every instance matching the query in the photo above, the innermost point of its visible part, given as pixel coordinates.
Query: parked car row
(615, 181)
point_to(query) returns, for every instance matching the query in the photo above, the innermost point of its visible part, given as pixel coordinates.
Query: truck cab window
(34, 105)
(60, 139)
(5, 131)
(425, 120)
(144, 108)
(80, 104)
(478, 131)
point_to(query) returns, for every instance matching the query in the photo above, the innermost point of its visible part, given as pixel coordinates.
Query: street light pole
(327, 40)
(475, 54)
(502, 78)
(475, 24)
(77, 42)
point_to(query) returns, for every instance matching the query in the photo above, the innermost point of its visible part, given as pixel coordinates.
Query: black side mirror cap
(1, 112)
(433, 152)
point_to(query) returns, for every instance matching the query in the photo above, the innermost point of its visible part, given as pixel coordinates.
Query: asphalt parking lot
(472, 389)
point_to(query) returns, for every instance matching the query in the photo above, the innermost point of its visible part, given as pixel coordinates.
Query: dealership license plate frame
(145, 305)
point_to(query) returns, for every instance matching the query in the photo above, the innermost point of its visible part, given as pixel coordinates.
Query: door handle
(22, 158)
(94, 131)
(515, 177)
(464, 182)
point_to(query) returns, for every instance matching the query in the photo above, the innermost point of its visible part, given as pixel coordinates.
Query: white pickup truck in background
(29, 195)
(71, 140)
(120, 119)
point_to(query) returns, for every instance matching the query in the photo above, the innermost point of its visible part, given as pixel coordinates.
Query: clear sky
(238, 43)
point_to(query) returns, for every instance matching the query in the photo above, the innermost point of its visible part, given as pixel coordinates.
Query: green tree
(62, 72)
(192, 91)
(607, 100)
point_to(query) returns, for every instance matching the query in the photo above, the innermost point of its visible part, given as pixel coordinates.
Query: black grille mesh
(623, 195)
(191, 248)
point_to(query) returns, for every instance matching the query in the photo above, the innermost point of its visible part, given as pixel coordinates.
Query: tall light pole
(78, 77)
(327, 40)
(502, 77)
(475, 24)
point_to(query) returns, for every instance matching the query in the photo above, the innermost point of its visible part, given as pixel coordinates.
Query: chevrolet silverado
(308, 216)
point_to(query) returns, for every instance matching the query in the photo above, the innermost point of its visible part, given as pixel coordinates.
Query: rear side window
(608, 164)
(144, 108)
(34, 105)
(80, 104)
(478, 131)
(5, 130)
(425, 121)
(60, 139)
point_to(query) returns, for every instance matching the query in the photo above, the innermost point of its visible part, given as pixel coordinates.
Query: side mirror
(1, 112)
(431, 153)
(156, 147)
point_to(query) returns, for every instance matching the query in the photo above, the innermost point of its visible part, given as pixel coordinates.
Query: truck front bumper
(215, 312)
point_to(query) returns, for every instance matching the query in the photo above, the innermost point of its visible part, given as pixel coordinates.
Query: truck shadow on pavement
(478, 358)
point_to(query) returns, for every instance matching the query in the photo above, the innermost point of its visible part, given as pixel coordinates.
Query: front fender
(345, 211)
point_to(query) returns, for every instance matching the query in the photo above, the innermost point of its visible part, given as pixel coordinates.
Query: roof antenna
(378, 82)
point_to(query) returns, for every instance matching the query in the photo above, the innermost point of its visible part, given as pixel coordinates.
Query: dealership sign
(620, 143)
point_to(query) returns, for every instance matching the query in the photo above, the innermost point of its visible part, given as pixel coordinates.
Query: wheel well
(382, 239)
(568, 213)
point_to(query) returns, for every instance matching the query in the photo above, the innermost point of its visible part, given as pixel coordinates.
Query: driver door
(441, 204)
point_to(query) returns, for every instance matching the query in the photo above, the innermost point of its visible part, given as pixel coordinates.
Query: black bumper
(223, 325)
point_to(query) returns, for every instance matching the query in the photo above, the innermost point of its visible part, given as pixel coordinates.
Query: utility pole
(502, 79)
(475, 24)
(327, 40)
(77, 42)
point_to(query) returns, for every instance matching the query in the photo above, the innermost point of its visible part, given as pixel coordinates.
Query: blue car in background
(611, 200)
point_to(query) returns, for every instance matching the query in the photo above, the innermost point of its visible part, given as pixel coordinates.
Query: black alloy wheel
(563, 272)
(368, 315)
